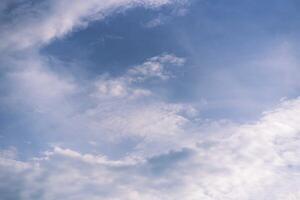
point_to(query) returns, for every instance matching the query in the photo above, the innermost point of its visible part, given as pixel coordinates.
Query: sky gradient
(149, 99)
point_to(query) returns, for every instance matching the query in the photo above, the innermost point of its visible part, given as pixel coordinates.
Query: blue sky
(149, 99)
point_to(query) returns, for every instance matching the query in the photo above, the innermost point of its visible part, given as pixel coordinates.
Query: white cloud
(250, 161)
(57, 104)
(173, 158)
(107, 109)
(126, 85)
(33, 85)
(155, 67)
(180, 9)
(37, 23)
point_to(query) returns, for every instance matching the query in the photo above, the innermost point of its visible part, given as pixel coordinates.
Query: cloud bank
(249, 161)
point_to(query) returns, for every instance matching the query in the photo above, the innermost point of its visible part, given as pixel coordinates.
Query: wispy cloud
(106, 109)
(38, 23)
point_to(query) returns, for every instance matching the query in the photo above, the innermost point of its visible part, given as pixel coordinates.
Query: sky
(149, 99)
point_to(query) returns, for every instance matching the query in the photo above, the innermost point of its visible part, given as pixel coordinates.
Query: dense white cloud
(250, 161)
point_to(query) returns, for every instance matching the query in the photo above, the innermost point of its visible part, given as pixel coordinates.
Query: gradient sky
(149, 99)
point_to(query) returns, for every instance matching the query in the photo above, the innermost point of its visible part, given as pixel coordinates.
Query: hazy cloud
(250, 161)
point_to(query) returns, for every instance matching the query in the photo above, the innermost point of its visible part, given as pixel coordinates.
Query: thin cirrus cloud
(115, 137)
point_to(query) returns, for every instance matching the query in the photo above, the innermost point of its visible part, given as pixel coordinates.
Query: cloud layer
(113, 137)
(250, 161)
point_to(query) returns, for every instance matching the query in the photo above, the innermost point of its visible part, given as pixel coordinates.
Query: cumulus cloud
(249, 161)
